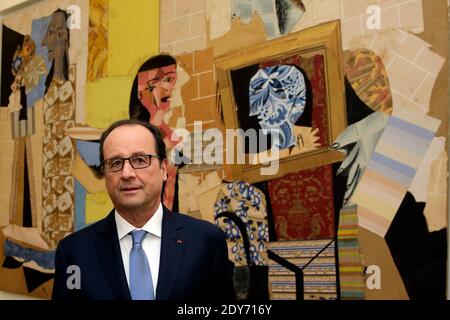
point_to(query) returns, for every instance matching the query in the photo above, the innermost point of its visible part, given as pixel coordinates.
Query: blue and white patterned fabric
(248, 204)
(277, 97)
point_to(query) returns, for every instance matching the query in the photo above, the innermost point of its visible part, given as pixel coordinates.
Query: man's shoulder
(194, 224)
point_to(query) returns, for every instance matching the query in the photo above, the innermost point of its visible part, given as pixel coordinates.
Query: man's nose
(127, 170)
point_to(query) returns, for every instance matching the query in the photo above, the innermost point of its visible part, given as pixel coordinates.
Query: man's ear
(164, 165)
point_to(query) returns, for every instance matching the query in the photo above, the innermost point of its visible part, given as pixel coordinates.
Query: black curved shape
(241, 226)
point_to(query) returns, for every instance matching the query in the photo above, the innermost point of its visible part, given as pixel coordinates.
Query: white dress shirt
(151, 243)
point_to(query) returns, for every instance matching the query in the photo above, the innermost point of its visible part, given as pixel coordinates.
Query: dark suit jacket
(194, 263)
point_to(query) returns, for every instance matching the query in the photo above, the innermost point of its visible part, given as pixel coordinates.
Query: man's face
(131, 189)
(155, 87)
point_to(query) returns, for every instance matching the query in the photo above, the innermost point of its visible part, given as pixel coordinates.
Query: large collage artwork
(357, 208)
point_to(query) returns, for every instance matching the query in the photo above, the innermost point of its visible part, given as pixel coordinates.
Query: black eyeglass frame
(104, 166)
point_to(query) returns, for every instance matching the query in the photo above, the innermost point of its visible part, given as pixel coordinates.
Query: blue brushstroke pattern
(45, 259)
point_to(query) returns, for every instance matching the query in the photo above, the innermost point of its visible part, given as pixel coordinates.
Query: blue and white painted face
(277, 97)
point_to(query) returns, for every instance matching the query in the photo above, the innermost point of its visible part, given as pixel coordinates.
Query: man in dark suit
(141, 250)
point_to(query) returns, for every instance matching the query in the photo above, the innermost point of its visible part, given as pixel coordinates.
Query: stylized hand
(358, 141)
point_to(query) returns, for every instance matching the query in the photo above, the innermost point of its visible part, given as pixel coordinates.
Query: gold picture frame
(322, 42)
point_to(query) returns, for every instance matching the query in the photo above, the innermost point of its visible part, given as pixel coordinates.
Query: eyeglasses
(137, 162)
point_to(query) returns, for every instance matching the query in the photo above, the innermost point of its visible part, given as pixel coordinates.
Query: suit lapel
(110, 257)
(172, 249)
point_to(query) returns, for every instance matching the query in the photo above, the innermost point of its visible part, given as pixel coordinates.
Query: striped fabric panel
(368, 224)
(348, 234)
(374, 220)
(412, 142)
(391, 169)
(318, 266)
(377, 205)
(313, 284)
(308, 296)
(409, 126)
(319, 275)
(24, 127)
(376, 181)
(351, 270)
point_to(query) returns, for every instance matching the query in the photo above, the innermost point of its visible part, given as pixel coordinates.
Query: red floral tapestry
(302, 204)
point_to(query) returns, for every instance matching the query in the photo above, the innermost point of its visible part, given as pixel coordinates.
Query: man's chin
(132, 205)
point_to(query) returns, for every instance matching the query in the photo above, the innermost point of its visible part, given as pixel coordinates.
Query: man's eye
(116, 163)
(140, 160)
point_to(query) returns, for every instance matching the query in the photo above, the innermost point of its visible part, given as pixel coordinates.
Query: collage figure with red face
(150, 100)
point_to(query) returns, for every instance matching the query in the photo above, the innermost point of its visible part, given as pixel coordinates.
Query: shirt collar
(153, 226)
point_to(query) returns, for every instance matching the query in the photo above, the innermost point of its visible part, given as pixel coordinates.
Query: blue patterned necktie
(141, 284)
